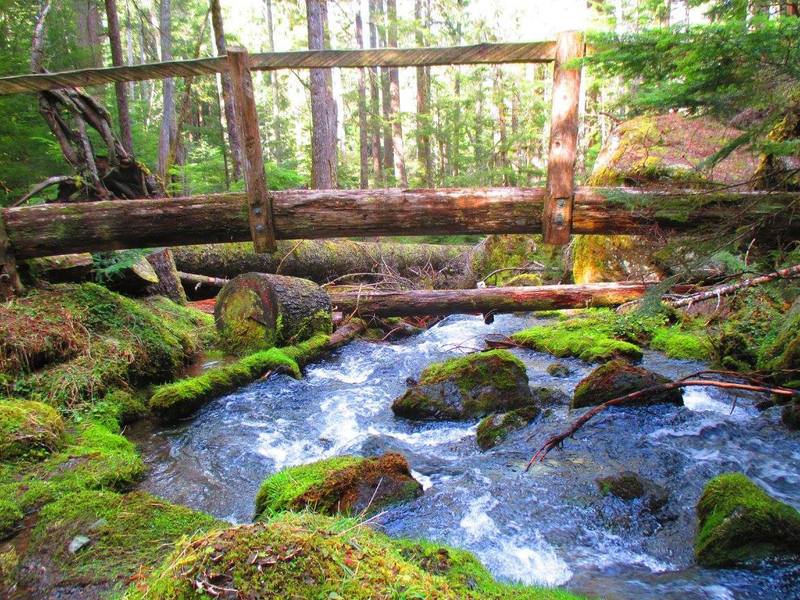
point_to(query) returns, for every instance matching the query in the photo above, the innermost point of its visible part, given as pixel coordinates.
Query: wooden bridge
(556, 210)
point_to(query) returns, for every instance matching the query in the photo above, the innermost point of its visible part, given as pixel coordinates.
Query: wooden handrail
(526, 52)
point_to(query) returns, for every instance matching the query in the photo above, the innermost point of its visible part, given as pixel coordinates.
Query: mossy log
(485, 300)
(51, 229)
(257, 310)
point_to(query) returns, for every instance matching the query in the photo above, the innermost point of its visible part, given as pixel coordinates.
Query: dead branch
(688, 381)
(39, 187)
(724, 290)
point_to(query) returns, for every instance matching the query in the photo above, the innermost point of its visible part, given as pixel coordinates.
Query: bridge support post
(557, 220)
(10, 283)
(258, 197)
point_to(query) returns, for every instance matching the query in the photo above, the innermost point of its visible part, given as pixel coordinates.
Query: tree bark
(502, 147)
(88, 28)
(378, 17)
(394, 91)
(120, 88)
(169, 283)
(277, 152)
(485, 300)
(424, 156)
(227, 94)
(363, 144)
(375, 104)
(256, 309)
(323, 107)
(168, 87)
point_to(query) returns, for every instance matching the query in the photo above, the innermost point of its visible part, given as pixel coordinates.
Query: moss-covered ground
(740, 522)
(306, 555)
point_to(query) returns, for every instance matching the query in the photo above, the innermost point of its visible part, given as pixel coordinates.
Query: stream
(550, 526)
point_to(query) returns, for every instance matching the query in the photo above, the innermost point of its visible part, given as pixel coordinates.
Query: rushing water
(550, 526)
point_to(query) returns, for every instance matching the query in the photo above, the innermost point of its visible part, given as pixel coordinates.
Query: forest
(399, 299)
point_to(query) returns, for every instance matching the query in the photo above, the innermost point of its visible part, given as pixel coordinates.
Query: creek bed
(550, 526)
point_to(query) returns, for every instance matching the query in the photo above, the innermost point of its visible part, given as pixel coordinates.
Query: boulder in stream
(618, 378)
(791, 414)
(343, 484)
(628, 485)
(467, 387)
(495, 428)
(739, 522)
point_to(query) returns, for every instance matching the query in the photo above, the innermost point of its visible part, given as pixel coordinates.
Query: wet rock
(495, 428)
(618, 378)
(545, 396)
(78, 542)
(342, 484)
(791, 415)
(739, 522)
(628, 485)
(27, 426)
(467, 387)
(559, 369)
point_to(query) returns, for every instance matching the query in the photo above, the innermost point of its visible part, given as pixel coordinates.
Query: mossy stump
(739, 522)
(467, 387)
(348, 485)
(619, 378)
(256, 311)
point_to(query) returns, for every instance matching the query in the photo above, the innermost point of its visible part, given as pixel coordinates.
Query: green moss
(679, 344)
(474, 369)
(495, 428)
(101, 341)
(304, 555)
(27, 427)
(590, 337)
(781, 355)
(127, 534)
(10, 517)
(241, 334)
(9, 563)
(739, 521)
(280, 490)
(502, 256)
(340, 485)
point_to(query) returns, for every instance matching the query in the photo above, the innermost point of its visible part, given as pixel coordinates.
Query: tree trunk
(323, 107)
(362, 113)
(169, 283)
(375, 104)
(88, 27)
(502, 147)
(275, 106)
(227, 93)
(168, 113)
(394, 91)
(119, 87)
(485, 300)
(424, 158)
(259, 310)
(378, 18)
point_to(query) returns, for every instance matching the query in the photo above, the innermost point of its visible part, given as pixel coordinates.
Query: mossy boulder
(467, 387)
(495, 428)
(349, 485)
(739, 522)
(592, 337)
(628, 485)
(98, 540)
(559, 369)
(27, 426)
(619, 378)
(307, 555)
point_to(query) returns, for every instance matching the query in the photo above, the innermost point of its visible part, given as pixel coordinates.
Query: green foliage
(673, 342)
(109, 266)
(739, 521)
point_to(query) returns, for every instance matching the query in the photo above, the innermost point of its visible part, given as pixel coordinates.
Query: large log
(51, 229)
(485, 300)
(257, 310)
(322, 261)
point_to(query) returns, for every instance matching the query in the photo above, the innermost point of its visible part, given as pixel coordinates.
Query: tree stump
(257, 310)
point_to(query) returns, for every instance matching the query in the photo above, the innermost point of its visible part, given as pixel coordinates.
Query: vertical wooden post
(10, 283)
(258, 197)
(557, 220)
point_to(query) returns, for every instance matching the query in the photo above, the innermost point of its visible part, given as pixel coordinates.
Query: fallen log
(51, 229)
(724, 290)
(485, 300)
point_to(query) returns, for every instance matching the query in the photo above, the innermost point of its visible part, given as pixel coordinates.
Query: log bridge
(556, 210)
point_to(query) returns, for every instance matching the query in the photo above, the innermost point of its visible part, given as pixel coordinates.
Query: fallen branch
(724, 290)
(687, 381)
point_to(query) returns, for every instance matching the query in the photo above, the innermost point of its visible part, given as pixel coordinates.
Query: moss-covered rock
(739, 522)
(590, 337)
(559, 369)
(27, 426)
(467, 387)
(344, 484)
(98, 540)
(628, 485)
(173, 401)
(619, 378)
(306, 555)
(680, 344)
(495, 428)
(69, 345)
